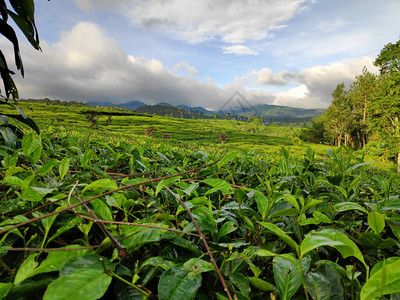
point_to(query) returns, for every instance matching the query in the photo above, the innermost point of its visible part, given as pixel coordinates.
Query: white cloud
(316, 84)
(185, 69)
(239, 49)
(76, 69)
(234, 21)
(265, 76)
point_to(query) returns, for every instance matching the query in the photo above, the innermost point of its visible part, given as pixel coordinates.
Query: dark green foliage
(292, 227)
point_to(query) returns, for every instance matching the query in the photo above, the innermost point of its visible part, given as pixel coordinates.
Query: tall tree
(385, 104)
(336, 118)
(359, 97)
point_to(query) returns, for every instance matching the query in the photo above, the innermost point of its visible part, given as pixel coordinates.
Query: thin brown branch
(203, 239)
(122, 252)
(109, 193)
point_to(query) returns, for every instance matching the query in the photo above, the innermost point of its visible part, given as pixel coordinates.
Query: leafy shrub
(293, 228)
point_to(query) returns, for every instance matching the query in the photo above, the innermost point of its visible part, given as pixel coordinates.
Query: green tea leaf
(101, 185)
(376, 221)
(282, 235)
(260, 284)
(332, 238)
(4, 289)
(48, 166)
(84, 284)
(345, 206)
(25, 270)
(91, 261)
(218, 185)
(287, 277)
(178, 283)
(63, 168)
(382, 282)
(318, 286)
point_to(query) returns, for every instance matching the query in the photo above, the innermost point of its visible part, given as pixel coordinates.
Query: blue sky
(282, 52)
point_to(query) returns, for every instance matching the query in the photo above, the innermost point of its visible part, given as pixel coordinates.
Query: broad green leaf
(260, 284)
(282, 235)
(241, 282)
(84, 284)
(141, 236)
(332, 238)
(91, 261)
(197, 266)
(227, 228)
(63, 168)
(382, 282)
(383, 263)
(102, 210)
(287, 277)
(101, 185)
(34, 193)
(116, 199)
(13, 180)
(26, 268)
(32, 147)
(218, 185)
(262, 203)
(55, 260)
(318, 286)
(344, 206)
(178, 283)
(48, 166)
(164, 183)
(227, 158)
(376, 221)
(86, 157)
(4, 289)
(158, 261)
(292, 200)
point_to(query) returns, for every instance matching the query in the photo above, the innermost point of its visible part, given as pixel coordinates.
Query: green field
(110, 213)
(183, 133)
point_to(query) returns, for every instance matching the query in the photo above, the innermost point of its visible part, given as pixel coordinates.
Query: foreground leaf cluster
(294, 228)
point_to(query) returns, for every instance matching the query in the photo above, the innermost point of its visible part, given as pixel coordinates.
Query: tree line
(369, 111)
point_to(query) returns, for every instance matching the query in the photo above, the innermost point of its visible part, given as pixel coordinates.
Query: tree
(385, 103)
(23, 16)
(181, 112)
(336, 119)
(359, 97)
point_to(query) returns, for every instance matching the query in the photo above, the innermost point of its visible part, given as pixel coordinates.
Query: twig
(109, 193)
(203, 239)
(122, 252)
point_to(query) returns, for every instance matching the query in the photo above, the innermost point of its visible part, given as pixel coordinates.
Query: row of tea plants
(82, 219)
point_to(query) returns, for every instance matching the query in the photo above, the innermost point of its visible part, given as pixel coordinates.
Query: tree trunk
(398, 162)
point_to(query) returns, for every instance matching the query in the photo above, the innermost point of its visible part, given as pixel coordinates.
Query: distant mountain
(129, 105)
(197, 108)
(165, 104)
(267, 110)
(160, 110)
(281, 111)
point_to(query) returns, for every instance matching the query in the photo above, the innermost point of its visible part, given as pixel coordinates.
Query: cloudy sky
(282, 52)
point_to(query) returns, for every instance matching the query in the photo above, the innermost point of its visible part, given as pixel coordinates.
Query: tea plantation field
(112, 213)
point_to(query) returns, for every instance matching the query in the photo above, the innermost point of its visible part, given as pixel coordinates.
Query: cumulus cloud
(234, 21)
(265, 76)
(185, 69)
(239, 49)
(75, 68)
(316, 84)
